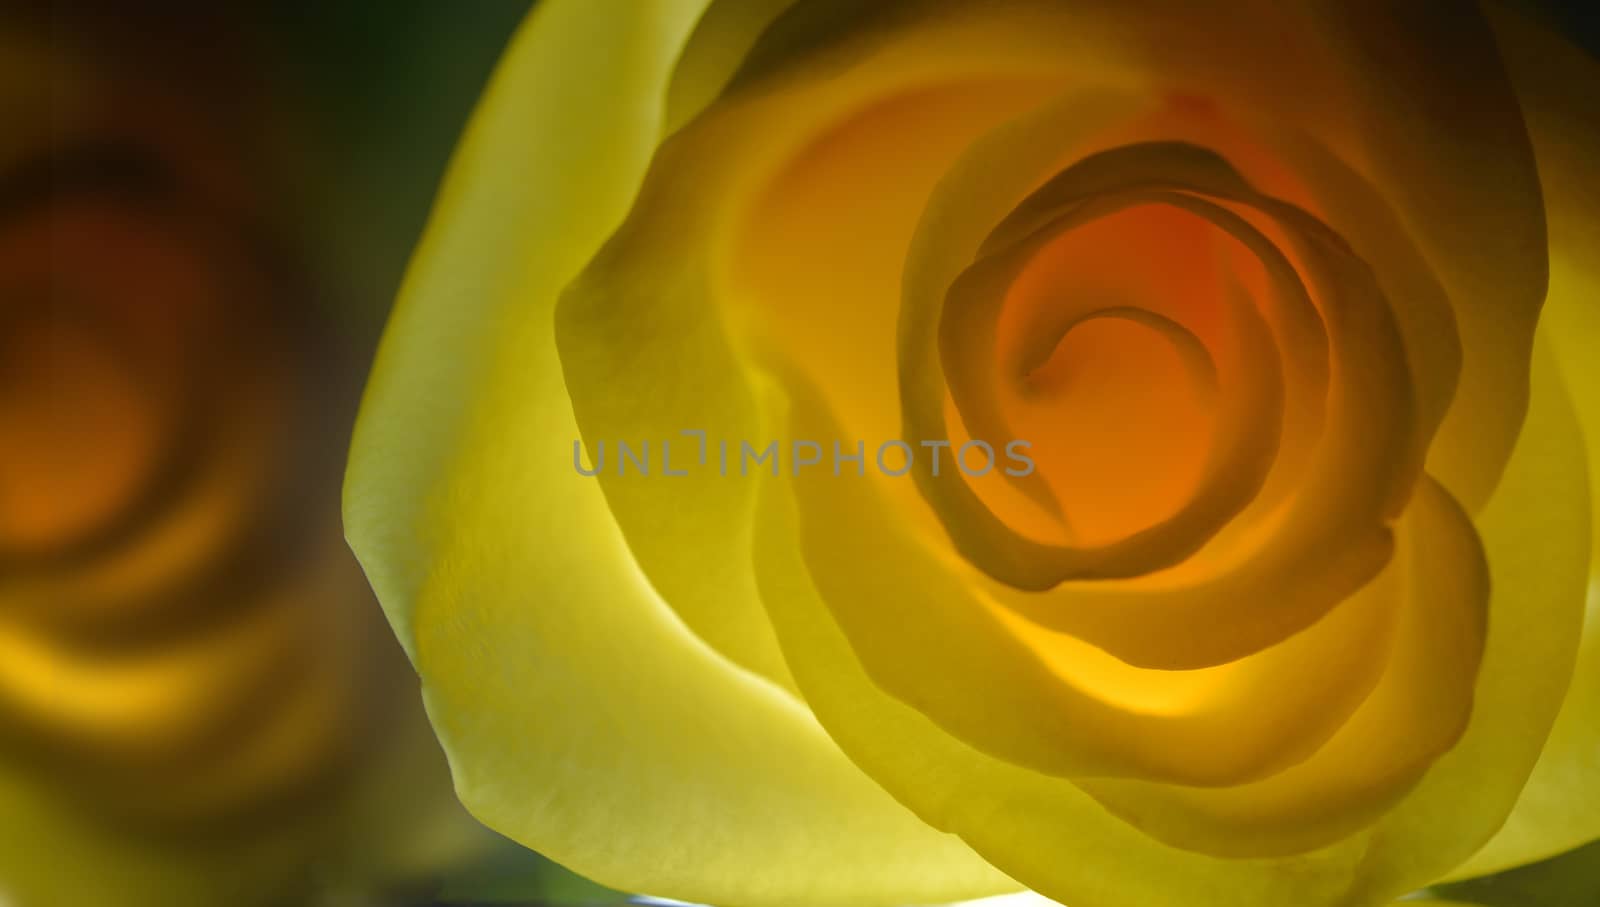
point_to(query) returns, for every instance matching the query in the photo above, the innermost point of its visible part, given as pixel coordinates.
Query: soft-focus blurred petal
(201, 703)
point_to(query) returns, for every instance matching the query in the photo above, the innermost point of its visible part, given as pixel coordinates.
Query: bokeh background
(205, 210)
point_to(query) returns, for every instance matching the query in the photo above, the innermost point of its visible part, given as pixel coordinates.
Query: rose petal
(1426, 690)
(1461, 175)
(566, 693)
(923, 634)
(1560, 807)
(717, 47)
(1358, 480)
(644, 336)
(1536, 532)
(1234, 471)
(1055, 838)
(1414, 102)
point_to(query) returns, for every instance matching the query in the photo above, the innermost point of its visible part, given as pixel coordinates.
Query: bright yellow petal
(642, 310)
(714, 53)
(1560, 807)
(490, 519)
(1054, 837)
(646, 351)
(582, 718)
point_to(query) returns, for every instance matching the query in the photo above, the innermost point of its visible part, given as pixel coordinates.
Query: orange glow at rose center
(90, 369)
(1119, 421)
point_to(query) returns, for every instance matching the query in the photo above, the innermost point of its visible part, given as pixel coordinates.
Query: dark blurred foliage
(386, 89)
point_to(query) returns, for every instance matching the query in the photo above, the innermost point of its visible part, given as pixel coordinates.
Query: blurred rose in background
(199, 702)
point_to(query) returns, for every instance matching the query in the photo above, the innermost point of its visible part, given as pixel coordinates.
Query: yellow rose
(1279, 600)
(199, 703)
